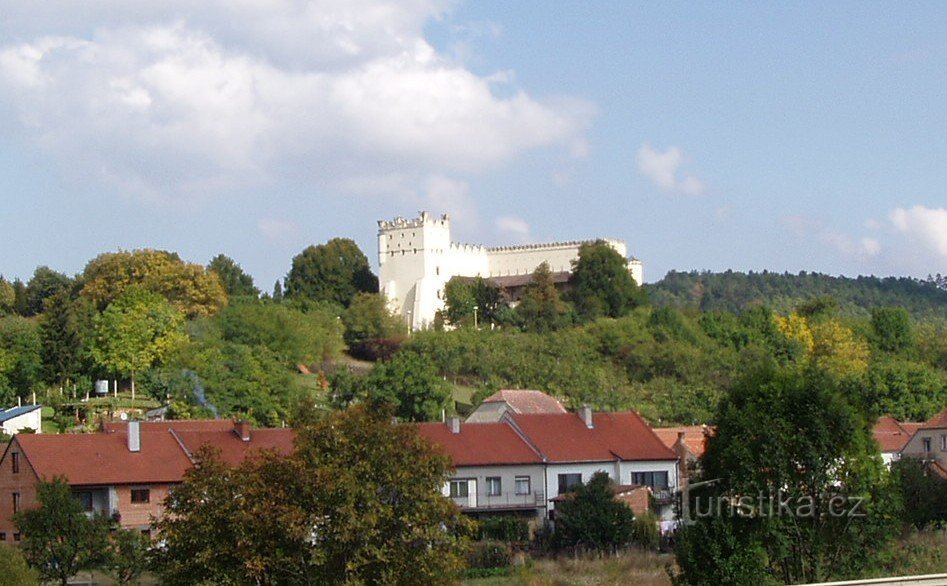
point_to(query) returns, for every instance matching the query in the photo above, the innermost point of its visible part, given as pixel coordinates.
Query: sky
(709, 136)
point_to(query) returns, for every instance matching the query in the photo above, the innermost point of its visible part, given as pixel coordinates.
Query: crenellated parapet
(549, 245)
(400, 223)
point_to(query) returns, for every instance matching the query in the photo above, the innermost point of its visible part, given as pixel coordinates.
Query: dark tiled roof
(614, 436)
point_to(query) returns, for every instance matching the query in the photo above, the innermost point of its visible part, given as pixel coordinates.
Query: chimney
(454, 423)
(241, 427)
(134, 436)
(586, 414)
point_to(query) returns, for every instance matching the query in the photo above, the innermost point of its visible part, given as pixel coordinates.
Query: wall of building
(32, 420)
(416, 258)
(22, 482)
(507, 499)
(915, 447)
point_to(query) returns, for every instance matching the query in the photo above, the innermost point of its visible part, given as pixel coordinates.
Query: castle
(416, 258)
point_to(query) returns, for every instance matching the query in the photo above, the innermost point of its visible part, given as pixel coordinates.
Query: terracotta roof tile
(892, 435)
(178, 424)
(527, 401)
(234, 450)
(480, 444)
(937, 421)
(695, 437)
(565, 437)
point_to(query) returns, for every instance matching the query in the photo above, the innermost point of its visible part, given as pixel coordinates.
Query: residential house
(929, 443)
(892, 436)
(126, 470)
(16, 419)
(504, 401)
(496, 468)
(689, 442)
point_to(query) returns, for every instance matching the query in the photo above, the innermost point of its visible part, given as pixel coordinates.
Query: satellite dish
(123, 416)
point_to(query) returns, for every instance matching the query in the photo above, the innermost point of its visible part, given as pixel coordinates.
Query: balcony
(502, 502)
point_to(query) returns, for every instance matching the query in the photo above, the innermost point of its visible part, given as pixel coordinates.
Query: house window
(927, 444)
(16, 502)
(16, 462)
(494, 487)
(458, 489)
(16, 537)
(567, 482)
(141, 495)
(146, 533)
(657, 480)
(85, 498)
(522, 485)
(3, 535)
(943, 443)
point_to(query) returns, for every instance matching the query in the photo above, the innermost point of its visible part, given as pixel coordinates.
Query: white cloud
(860, 249)
(513, 227)
(452, 196)
(662, 169)
(927, 226)
(172, 100)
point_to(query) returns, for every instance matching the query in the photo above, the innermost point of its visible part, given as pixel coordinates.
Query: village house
(517, 401)
(929, 443)
(126, 470)
(18, 419)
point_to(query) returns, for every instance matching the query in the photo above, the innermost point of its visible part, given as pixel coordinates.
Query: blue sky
(707, 135)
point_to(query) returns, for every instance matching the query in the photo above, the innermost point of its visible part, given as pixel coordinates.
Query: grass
(635, 567)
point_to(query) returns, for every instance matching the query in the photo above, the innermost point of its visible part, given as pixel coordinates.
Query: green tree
(410, 385)
(189, 287)
(342, 509)
(333, 272)
(817, 501)
(67, 332)
(601, 284)
(14, 570)
(127, 555)
(592, 519)
(20, 341)
(44, 284)
(923, 492)
(7, 297)
(137, 330)
(892, 328)
(59, 539)
(367, 321)
(234, 280)
(540, 309)
(19, 297)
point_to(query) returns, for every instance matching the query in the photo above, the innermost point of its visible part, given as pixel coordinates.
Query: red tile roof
(527, 401)
(614, 436)
(695, 437)
(165, 454)
(937, 421)
(480, 444)
(104, 458)
(892, 435)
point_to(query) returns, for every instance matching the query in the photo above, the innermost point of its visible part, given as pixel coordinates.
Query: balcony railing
(507, 501)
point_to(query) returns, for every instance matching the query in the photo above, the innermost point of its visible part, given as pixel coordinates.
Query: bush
(504, 529)
(646, 532)
(489, 554)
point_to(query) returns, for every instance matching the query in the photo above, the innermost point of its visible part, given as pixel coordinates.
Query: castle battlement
(417, 258)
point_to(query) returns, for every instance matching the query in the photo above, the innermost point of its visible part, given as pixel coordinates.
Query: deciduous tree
(234, 280)
(540, 308)
(409, 384)
(601, 284)
(368, 321)
(44, 284)
(333, 272)
(590, 518)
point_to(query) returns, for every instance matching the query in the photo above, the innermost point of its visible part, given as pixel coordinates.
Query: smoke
(199, 393)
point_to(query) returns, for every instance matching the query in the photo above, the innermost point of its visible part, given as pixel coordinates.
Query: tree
(127, 555)
(7, 297)
(923, 492)
(44, 284)
(137, 330)
(799, 493)
(342, 509)
(333, 272)
(368, 322)
(410, 385)
(601, 284)
(540, 309)
(189, 287)
(14, 570)
(592, 519)
(20, 341)
(473, 299)
(234, 281)
(892, 327)
(66, 333)
(58, 538)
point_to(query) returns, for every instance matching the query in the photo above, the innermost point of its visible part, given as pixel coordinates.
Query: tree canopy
(601, 284)
(591, 519)
(332, 272)
(233, 279)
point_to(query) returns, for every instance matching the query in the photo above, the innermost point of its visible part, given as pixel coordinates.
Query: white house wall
(32, 420)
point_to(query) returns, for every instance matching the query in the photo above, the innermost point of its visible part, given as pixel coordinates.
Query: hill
(856, 297)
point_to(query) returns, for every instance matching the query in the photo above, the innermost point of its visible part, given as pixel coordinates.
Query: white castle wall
(416, 259)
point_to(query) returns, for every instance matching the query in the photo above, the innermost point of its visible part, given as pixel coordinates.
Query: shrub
(489, 554)
(646, 532)
(504, 529)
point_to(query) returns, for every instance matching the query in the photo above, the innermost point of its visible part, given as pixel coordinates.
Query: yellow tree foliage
(796, 328)
(838, 351)
(189, 287)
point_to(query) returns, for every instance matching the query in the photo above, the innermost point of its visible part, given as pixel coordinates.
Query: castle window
(437, 271)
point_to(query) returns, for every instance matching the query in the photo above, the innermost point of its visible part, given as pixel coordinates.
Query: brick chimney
(134, 436)
(241, 427)
(454, 423)
(586, 414)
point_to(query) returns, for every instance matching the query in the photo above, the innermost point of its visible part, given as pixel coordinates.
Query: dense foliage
(591, 519)
(343, 509)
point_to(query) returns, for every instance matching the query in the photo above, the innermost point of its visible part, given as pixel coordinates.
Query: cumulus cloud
(169, 100)
(662, 169)
(926, 226)
(861, 249)
(513, 227)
